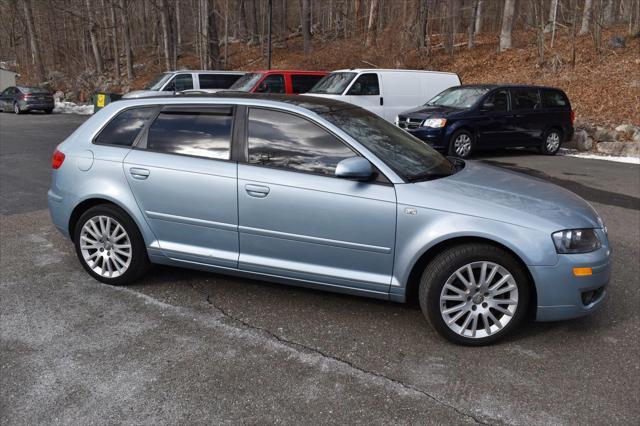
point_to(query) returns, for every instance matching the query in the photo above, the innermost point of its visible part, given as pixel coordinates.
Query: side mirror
(357, 168)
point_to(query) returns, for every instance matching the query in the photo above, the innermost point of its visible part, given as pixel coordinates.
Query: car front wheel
(16, 108)
(474, 294)
(110, 246)
(461, 144)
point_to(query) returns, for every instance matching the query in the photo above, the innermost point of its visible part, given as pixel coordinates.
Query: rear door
(185, 184)
(297, 220)
(366, 92)
(494, 125)
(527, 116)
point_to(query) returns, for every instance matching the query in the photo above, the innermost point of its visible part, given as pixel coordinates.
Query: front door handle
(138, 173)
(257, 191)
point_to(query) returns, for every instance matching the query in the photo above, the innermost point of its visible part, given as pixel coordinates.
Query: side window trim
(150, 120)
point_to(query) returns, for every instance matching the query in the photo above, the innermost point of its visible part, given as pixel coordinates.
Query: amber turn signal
(582, 272)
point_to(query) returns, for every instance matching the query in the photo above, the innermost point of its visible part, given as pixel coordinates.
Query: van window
(524, 98)
(282, 140)
(365, 85)
(553, 99)
(334, 83)
(179, 83)
(303, 83)
(124, 128)
(273, 83)
(497, 101)
(217, 81)
(203, 133)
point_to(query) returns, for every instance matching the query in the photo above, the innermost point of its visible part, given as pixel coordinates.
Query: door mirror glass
(357, 168)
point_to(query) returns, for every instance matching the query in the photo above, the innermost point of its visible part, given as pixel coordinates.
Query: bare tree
(213, 41)
(371, 25)
(306, 27)
(423, 23)
(478, 25)
(115, 45)
(608, 13)
(586, 17)
(126, 31)
(93, 28)
(507, 24)
(33, 41)
(472, 24)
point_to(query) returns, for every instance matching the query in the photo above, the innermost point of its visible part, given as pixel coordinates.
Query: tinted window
(7, 92)
(525, 99)
(553, 99)
(217, 81)
(273, 83)
(180, 82)
(124, 128)
(497, 101)
(203, 133)
(365, 85)
(287, 141)
(304, 83)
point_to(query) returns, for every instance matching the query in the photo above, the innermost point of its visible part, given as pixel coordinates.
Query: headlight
(434, 122)
(576, 241)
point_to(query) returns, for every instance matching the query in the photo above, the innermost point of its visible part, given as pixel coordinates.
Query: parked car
(176, 81)
(23, 98)
(278, 81)
(470, 118)
(323, 194)
(384, 92)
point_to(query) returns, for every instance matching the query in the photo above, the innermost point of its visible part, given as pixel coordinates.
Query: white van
(384, 92)
(170, 82)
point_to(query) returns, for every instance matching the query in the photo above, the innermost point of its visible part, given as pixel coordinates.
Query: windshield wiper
(428, 176)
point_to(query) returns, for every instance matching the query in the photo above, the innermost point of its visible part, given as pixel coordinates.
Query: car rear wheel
(461, 144)
(110, 246)
(16, 108)
(474, 294)
(551, 142)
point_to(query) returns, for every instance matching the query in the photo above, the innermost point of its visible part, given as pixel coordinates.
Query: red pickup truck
(278, 81)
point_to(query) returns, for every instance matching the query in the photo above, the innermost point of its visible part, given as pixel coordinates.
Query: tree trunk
(33, 41)
(586, 17)
(306, 27)
(551, 22)
(608, 13)
(166, 34)
(371, 25)
(116, 46)
(478, 25)
(472, 24)
(507, 24)
(423, 16)
(213, 42)
(93, 27)
(127, 38)
(450, 18)
(255, 31)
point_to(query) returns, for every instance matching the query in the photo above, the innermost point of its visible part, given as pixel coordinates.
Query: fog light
(582, 272)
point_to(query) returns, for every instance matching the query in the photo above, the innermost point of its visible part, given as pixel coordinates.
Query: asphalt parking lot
(191, 347)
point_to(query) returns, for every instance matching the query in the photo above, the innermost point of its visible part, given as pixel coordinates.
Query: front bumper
(561, 295)
(434, 137)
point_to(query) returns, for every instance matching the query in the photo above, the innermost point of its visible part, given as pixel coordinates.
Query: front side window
(553, 99)
(217, 81)
(525, 99)
(180, 82)
(302, 83)
(497, 101)
(334, 83)
(365, 85)
(125, 127)
(287, 141)
(273, 83)
(204, 132)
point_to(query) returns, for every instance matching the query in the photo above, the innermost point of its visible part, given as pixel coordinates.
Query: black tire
(139, 261)
(16, 108)
(465, 150)
(444, 266)
(551, 142)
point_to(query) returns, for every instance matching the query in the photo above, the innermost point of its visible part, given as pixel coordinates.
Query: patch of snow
(63, 107)
(575, 153)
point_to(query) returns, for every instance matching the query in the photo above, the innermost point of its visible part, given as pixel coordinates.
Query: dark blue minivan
(465, 119)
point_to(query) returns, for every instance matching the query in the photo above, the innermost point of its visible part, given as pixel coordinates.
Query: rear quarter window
(123, 129)
(554, 99)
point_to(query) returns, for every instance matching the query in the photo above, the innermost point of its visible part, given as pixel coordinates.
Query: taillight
(24, 97)
(57, 159)
(573, 117)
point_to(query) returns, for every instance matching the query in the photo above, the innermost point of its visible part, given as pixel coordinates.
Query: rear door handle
(138, 173)
(257, 191)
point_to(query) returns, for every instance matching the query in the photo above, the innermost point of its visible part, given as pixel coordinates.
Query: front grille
(409, 123)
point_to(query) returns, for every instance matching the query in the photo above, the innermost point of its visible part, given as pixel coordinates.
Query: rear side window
(525, 99)
(217, 81)
(124, 128)
(286, 141)
(365, 85)
(273, 83)
(304, 83)
(553, 99)
(198, 132)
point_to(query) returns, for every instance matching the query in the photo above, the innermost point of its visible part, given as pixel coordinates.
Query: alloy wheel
(105, 246)
(553, 142)
(479, 299)
(16, 108)
(462, 145)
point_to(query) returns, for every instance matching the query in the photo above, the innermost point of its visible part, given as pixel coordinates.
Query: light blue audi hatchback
(323, 194)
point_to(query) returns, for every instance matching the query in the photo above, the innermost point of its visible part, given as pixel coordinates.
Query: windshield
(459, 97)
(246, 83)
(34, 90)
(406, 155)
(158, 82)
(333, 84)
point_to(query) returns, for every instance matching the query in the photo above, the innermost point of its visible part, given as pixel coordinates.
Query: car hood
(431, 111)
(498, 194)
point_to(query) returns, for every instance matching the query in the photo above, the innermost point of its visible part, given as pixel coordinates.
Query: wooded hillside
(588, 47)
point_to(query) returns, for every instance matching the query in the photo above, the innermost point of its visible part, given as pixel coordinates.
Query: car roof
(386, 70)
(207, 72)
(291, 71)
(507, 86)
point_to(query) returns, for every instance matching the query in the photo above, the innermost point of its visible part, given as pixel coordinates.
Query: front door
(186, 186)
(298, 221)
(365, 92)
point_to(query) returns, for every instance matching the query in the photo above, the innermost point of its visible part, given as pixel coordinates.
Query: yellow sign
(101, 99)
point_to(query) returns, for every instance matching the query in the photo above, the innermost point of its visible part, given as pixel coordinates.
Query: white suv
(176, 81)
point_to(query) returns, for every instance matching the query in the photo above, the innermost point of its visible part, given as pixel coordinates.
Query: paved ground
(192, 347)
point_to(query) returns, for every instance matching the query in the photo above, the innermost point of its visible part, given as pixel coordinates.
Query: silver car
(323, 194)
(172, 82)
